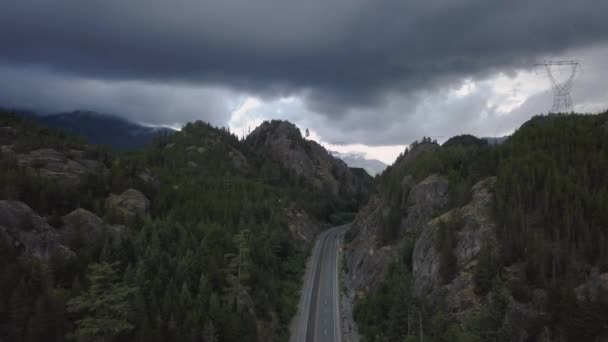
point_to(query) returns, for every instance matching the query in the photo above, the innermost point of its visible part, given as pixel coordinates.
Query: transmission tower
(562, 102)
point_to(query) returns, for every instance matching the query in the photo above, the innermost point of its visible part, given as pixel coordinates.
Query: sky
(362, 75)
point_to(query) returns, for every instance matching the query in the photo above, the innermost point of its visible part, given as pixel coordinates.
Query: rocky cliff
(366, 259)
(282, 143)
(475, 227)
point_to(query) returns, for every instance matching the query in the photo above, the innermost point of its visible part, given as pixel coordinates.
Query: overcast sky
(366, 75)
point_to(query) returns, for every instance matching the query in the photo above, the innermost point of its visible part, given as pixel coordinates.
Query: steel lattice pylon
(562, 102)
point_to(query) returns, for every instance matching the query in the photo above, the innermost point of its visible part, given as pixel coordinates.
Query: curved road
(319, 315)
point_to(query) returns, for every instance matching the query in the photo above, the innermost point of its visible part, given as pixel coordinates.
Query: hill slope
(103, 129)
(472, 241)
(159, 228)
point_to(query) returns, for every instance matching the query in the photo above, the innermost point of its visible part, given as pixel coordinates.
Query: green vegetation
(214, 261)
(551, 199)
(104, 308)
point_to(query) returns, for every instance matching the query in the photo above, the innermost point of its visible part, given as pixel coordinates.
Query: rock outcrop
(282, 142)
(83, 224)
(302, 227)
(366, 261)
(25, 229)
(425, 200)
(238, 160)
(52, 164)
(476, 228)
(128, 205)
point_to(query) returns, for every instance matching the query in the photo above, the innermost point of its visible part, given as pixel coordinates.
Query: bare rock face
(83, 224)
(22, 226)
(283, 142)
(425, 200)
(128, 205)
(301, 226)
(477, 228)
(366, 264)
(147, 177)
(50, 163)
(239, 161)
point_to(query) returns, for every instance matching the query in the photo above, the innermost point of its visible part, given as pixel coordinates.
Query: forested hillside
(514, 249)
(186, 239)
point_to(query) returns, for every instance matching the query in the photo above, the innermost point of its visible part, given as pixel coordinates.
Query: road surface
(318, 319)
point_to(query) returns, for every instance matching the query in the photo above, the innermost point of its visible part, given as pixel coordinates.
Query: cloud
(356, 71)
(143, 102)
(347, 53)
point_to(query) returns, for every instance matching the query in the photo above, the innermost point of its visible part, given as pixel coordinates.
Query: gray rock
(50, 163)
(302, 227)
(283, 142)
(147, 177)
(366, 264)
(83, 224)
(192, 164)
(425, 200)
(128, 205)
(25, 229)
(477, 229)
(239, 161)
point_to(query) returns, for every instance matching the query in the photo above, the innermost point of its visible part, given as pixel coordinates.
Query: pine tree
(104, 309)
(237, 272)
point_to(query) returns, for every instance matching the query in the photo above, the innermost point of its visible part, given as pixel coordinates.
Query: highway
(318, 319)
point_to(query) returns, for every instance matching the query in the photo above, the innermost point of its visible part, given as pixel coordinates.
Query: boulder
(25, 229)
(128, 205)
(83, 224)
(147, 177)
(50, 163)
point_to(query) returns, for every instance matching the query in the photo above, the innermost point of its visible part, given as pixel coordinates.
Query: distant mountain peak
(101, 128)
(359, 160)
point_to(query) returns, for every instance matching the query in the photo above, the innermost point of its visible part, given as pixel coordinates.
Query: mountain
(284, 156)
(496, 140)
(357, 159)
(471, 241)
(103, 129)
(195, 234)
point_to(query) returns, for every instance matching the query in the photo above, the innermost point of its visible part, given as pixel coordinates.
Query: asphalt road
(319, 317)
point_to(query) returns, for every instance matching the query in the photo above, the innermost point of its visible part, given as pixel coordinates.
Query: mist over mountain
(102, 129)
(358, 159)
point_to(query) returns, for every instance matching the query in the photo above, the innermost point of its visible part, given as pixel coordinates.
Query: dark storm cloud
(343, 57)
(148, 103)
(344, 51)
